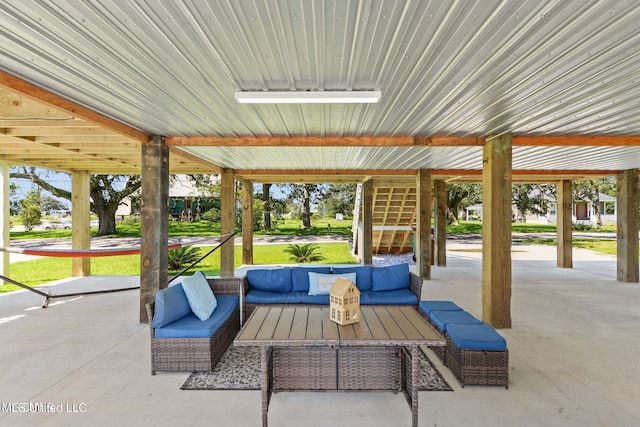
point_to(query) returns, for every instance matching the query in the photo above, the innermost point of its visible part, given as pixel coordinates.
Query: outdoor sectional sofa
(389, 285)
(180, 339)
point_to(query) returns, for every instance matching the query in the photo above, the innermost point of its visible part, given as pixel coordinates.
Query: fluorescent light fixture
(317, 97)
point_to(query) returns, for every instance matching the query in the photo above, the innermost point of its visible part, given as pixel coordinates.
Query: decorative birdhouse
(344, 302)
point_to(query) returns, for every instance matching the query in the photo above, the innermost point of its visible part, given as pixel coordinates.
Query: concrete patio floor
(574, 350)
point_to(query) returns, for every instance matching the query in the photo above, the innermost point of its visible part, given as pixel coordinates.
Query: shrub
(180, 258)
(304, 253)
(131, 220)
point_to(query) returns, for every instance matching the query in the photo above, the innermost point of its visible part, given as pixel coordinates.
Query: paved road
(134, 242)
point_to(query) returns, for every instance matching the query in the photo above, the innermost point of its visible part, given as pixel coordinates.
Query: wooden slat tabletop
(301, 326)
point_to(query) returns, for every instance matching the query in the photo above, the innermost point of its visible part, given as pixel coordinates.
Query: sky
(58, 179)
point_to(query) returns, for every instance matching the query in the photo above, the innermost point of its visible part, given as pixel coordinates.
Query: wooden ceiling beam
(577, 141)
(48, 123)
(38, 94)
(310, 141)
(61, 132)
(192, 158)
(403, 141)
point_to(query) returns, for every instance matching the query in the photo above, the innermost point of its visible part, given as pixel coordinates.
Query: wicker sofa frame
(415, 287)
(195, 354)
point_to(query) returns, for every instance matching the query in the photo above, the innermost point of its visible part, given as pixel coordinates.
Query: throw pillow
(320, 284)
(200, 296)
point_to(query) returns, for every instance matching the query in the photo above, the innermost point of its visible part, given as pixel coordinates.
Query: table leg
(266, 381)
(414, 384)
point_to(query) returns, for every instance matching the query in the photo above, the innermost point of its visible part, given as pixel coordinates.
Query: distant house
(582, 211)
(585, 211)
(186, 202)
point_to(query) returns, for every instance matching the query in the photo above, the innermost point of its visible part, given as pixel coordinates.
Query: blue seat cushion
(270, 280)
(397, 297)
(363, 275)
(261, 297)
(255, 296)
(390, 278)
(171, 305)
(305, 298)
(300, 277)
(444, 318)
(429, 306)
(476, 337)
(191, 327)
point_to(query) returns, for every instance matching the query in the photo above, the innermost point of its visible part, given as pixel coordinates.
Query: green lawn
(50, 269)
(603, 246)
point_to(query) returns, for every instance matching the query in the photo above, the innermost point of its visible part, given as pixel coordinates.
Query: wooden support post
(154, 221)
(565, 243)
(627, 226)
(247, 222)
(80, 230)
(424, 202)
(496, 232)
(227, 222)
(5, 215)
(367, 223)
(441, 223)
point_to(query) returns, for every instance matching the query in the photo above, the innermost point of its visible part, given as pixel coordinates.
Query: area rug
(239, 369)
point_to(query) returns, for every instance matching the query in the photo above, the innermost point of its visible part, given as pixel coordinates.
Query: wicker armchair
(196, 354)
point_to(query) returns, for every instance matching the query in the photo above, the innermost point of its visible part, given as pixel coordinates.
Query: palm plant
(304, 253)
(180, 258)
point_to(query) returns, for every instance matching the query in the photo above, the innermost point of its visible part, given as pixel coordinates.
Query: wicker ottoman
(477, 354)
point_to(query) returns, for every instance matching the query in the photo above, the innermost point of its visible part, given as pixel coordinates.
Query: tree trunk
(451, 218)
(306, 209)
(267, 206)
(107, 221)
(107, 224)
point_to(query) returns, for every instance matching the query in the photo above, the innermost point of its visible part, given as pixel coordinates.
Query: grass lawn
(50, 269)
(603, 246)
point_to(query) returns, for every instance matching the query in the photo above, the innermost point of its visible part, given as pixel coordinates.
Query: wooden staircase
(393, 217)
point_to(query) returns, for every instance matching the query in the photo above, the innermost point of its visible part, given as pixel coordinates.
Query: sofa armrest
(225, 285)
(150, 307)
(231, 286)
(416, 285)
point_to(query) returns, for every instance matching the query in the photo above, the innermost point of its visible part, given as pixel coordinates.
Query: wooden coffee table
(301, 349)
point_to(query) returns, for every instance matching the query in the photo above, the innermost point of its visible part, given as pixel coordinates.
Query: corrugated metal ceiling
(445, 68)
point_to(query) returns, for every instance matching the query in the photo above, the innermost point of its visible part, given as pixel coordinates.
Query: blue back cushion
(171, 305)
(276, 280)
(300, 277)
(363, 275)
(390, 278)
